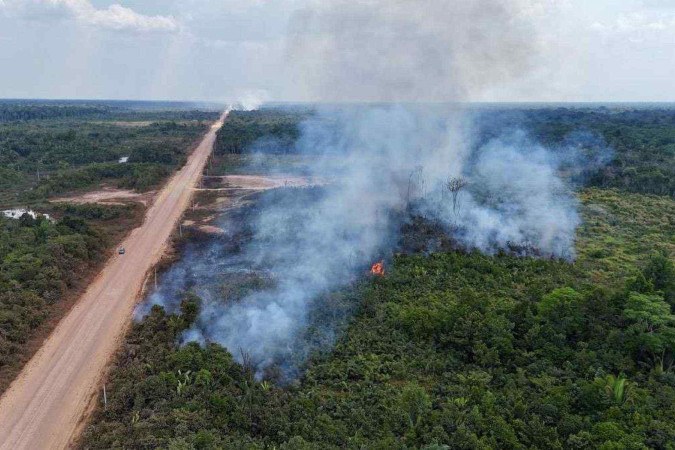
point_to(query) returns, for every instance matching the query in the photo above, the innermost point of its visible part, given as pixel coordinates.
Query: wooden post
(105, 398)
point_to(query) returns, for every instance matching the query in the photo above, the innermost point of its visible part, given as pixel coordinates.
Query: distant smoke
(250, 100)
(386, 159)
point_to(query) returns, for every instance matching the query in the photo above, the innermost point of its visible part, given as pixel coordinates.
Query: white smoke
(514, 197)
(384, 158)
(250, 100)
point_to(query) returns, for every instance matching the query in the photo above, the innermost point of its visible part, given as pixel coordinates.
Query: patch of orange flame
(377, 269)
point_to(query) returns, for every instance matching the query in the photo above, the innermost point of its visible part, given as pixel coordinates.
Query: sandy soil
(47, 404)
(109, 196)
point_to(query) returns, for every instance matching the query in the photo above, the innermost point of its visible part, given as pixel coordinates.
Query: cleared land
(46, 403)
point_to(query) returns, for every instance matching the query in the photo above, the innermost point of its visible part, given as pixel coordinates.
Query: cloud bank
(115, 17)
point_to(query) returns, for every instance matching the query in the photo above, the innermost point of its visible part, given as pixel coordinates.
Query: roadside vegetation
(450, 349)
(40, 262)
(49, 149)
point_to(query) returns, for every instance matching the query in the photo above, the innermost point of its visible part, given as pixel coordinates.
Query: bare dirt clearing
(48, 402)
(109, 196)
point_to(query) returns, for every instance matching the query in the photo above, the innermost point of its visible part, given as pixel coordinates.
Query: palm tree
(619, 389)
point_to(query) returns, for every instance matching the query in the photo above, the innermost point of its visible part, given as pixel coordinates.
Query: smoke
(250, 100)
(409, 51)
(385, 161)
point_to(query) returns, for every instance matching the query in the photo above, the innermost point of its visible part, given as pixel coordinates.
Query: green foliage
(35, 110)
(562, 310)
(39, 260)
(141, 177)
(641, 140)
(415, 402)
(660, 272)
(93, 211)
(618, 389)
(652, 330)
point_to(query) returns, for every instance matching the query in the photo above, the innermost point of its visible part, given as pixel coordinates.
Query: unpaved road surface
(45, 406)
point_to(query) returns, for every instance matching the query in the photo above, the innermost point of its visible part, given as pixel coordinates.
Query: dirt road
(44, 406)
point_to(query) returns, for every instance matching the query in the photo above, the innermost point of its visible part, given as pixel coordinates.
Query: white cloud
(639, 27)
(114, 17)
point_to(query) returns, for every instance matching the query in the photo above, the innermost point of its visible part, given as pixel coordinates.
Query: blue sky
(223, 50)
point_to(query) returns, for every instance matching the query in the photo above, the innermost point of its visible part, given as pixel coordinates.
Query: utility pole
(155, 278)
(105, 398)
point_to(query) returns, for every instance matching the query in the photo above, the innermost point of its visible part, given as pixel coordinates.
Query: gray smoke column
(382, 158)
(409, 50)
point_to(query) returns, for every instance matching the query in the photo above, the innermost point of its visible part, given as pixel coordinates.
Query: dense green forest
(277, 127)
(52, 148)
(39, 262)
(642, 140)
(451, 349)
(31, 110)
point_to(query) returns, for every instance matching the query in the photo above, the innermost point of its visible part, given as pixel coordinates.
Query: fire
(378, 269)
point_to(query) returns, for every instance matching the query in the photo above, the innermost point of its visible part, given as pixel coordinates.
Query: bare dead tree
(415, 181)
(247, 363)
(455, 186)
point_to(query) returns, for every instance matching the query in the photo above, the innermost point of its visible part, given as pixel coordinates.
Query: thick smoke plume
(385, 161)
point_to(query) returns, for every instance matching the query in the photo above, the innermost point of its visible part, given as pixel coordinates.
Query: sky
(238, 50)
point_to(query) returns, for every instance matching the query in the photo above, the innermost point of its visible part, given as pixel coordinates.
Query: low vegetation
(39, 262)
